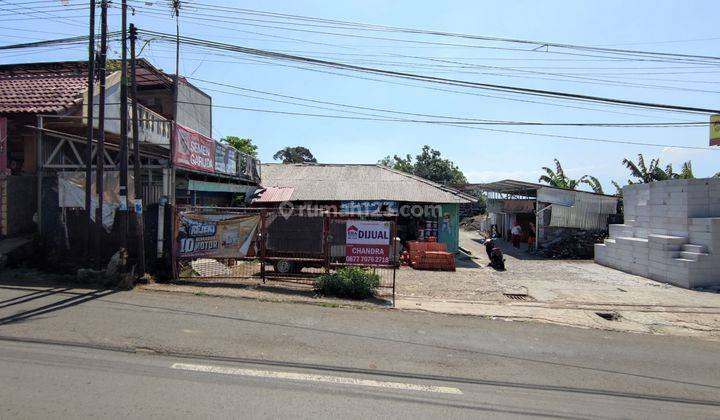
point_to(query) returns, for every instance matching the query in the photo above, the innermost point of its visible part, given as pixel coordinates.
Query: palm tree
(642, 172)
(594, 183)
(686, 172)
(557, 177)
(618, 189)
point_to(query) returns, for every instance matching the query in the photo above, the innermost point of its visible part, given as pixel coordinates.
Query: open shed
(553, 210)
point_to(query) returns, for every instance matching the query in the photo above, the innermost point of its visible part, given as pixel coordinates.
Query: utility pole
(89, 140)
(100, 152)
(123, 210)
(139, 225)
(176, 87)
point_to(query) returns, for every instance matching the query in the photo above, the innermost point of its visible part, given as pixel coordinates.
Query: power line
(384, 28)
(430, 79)
(455, 118)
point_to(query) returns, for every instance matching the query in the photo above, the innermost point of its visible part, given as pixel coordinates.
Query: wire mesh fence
(227, 246)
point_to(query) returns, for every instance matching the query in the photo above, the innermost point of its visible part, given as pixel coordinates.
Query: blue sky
(669, 26)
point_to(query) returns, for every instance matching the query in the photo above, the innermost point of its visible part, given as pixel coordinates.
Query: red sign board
(367, 254)
(193, 150)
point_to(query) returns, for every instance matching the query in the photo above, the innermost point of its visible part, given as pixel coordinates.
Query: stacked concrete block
(671, 233)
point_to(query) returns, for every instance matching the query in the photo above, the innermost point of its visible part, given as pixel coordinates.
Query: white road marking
(314, 378)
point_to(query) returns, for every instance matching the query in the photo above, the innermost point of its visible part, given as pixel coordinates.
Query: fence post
(326, 244)
(173, 242)
(262, 236)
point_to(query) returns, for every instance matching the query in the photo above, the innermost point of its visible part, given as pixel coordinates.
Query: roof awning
(208, 186)
(275, 195)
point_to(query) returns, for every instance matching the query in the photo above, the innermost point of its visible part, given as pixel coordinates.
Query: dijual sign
(367, 232)
(367, 242)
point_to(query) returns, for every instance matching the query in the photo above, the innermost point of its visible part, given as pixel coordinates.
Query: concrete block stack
(671, 233)
(426, 255)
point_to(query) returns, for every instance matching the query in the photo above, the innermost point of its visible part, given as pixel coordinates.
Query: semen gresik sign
(367, 242)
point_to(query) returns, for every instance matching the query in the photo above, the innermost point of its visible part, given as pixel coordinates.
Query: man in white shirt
(516, 231)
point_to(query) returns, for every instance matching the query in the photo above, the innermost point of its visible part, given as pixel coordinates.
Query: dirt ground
(569, 292)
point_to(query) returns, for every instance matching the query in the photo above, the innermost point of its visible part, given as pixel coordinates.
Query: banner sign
(231, 161)
(194, 151)
(220, 154)
(715, 130)
(216, 236)
(367, 242)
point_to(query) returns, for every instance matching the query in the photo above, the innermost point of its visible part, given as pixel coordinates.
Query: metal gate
(231, 246)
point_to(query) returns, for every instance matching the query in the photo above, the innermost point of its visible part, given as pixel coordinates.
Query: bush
(348, 282)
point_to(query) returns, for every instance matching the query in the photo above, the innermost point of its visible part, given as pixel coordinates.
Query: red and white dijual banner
(193, 150)
(367, 242)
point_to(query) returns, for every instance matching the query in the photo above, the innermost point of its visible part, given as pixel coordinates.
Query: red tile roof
(53, 87)
(38, 94)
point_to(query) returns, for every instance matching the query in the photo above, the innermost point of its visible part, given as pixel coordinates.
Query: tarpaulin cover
(71, 193)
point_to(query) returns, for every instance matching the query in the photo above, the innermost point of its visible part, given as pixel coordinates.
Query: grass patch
(348, 282)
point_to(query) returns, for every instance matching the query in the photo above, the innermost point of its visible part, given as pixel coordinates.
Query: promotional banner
(231, 162)
(194, 151)
(367, 242)
(220, 155)
(216, 236)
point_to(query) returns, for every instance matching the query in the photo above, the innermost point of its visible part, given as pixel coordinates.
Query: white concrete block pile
(671, 233)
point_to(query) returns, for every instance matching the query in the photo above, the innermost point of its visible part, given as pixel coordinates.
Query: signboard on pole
(715, 130)
(216, 236)
(367, 242)
(194, 151)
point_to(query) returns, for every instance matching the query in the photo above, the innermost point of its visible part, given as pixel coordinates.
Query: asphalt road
(79, 353)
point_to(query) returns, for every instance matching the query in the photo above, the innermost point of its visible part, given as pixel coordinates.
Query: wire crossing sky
(500, 89)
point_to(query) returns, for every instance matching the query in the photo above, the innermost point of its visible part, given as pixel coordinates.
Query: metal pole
(100, 153)
(123, 210)
(139, 225)
(176, 90)
(40, 166)
(88, 143)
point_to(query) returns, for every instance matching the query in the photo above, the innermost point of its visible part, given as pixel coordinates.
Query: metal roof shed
(568, 208)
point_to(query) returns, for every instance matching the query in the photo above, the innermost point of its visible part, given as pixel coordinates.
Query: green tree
(618, 189)
(686, 172)
(243, 145)
(641, 171)
(557, 177)
(594, 183)
(296, 154)
(404, 164)
(429, 164)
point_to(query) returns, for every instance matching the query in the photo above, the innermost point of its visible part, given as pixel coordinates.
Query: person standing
(531, 237)
(515, 232)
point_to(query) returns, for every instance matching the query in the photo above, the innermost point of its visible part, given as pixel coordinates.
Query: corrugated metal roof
(344, 182)
(275, 195)
(528, 189)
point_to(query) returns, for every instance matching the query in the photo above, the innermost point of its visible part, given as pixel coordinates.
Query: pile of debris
(573, 245)
(474, 223)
